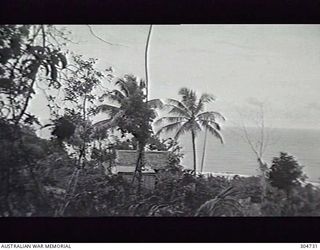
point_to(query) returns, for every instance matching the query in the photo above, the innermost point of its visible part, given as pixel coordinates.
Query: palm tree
(189, 116)
(128, 88)
(130, 111)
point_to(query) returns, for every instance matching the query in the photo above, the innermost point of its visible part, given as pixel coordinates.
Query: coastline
(229, 176)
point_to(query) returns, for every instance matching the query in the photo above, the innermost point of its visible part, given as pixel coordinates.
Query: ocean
(236, 157)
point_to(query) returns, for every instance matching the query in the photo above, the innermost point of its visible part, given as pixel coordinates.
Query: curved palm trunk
(204, 149)
(146, 61)
(141, 145)
(194, 152)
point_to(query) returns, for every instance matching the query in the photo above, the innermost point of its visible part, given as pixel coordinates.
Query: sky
(241, 65)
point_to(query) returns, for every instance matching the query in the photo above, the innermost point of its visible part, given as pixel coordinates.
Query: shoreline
(232, 175)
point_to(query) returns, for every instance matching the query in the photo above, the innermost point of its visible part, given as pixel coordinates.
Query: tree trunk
(73, 182)
(146, 61)
(263, 169)
(139, 166)
(204, 150)
(194, 152)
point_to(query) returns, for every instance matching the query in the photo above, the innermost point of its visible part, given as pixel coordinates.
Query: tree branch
(102, 40)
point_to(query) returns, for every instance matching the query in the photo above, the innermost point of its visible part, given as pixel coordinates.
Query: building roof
(154, 159)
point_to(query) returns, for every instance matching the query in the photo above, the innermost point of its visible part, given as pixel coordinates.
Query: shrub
(285, 172)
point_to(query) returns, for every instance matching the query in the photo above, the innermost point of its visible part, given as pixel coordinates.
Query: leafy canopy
(129, 111)
(27, 56)
(285, 172)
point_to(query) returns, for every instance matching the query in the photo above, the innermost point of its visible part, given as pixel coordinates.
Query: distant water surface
(236, 156)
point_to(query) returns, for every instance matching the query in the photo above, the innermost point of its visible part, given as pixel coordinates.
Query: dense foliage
(285, 172)
(70, 173)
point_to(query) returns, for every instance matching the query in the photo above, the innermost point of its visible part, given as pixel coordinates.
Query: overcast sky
(239, 64)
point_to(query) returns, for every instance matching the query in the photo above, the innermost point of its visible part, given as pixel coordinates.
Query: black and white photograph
(202, 120)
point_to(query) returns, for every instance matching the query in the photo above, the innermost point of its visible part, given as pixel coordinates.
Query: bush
(285, 172)
(302, 201)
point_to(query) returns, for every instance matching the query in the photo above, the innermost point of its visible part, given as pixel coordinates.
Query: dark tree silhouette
(285, 172)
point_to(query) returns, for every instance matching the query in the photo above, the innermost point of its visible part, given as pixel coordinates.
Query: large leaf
(169, 119)
(211, 115)
(205, 98)
(179, 105)
(176, 111)
(186, 127)
(189, 98)
(222, 205)
(212, 130)
(109, 123)
(109, 109)
(169, 127)
(115, 96)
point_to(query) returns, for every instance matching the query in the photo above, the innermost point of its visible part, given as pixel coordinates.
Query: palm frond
(169, 119)
(211, 115)
(195, 127)
(188, 127)
(109, 109)
(205, 98)
(174, 110)
(185, 92)
(128, 84)
(189, 98)
(116, 96)
(122, 84)
(109, 123)
(178, 104)
(169, 127)
(225, 192)
(182, 130)
(210, 122)
(220, 205)
(155, 113)
(212, 130)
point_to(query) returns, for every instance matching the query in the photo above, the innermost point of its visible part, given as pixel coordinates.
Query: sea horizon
(236, 157)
